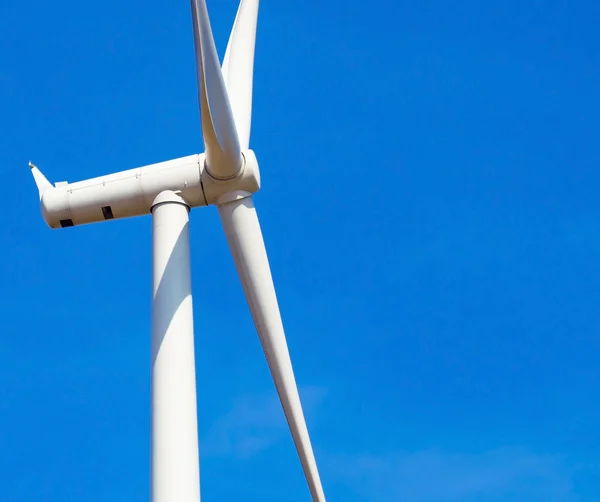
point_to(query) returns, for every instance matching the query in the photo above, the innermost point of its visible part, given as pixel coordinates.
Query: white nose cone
(40, 180)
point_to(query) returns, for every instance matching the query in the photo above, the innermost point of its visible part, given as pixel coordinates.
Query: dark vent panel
(107, 212)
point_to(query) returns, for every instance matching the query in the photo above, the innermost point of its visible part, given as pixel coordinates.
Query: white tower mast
(174, 441)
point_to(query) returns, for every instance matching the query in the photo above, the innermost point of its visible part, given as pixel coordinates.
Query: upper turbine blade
(223, 155)
(238, 67)
(244, 235)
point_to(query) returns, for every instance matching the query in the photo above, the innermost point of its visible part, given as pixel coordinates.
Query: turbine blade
(41, 181)
(238, 67)
(244, 235)
(223, 155)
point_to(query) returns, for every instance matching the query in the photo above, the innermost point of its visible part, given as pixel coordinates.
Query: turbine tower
(225, 175)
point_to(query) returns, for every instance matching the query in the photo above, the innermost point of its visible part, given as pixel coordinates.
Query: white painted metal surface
(245, 239)
(226, 175)
(40, 180)
(132, 192)
(127, 193)
(218, 126)
(238, 67)
(174, 452)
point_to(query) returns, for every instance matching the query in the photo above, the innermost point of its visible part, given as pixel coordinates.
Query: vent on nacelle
(107, 213)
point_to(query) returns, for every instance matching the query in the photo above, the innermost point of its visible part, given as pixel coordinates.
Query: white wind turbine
(226, 175)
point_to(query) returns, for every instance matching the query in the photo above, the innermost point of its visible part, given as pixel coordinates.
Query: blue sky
(430, 208)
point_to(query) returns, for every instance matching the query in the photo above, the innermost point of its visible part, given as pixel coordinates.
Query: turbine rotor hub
(245, 183)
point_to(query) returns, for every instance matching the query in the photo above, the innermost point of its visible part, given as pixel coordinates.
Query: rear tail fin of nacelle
(40, 180)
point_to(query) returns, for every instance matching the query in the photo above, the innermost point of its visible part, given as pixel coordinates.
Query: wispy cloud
(434, 475)
(255, 423)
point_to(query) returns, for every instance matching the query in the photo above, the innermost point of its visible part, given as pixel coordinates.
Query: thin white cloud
(254, 424)
(434, 475)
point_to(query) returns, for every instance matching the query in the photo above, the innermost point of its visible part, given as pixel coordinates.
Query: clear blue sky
(430, 207)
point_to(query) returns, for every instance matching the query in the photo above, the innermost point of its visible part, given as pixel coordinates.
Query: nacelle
(132, 192)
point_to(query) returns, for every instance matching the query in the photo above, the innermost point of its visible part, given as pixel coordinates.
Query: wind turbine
(226, 175)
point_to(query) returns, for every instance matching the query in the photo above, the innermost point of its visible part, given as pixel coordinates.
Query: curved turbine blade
(244, 235)
(223, 155)
(238, 67)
